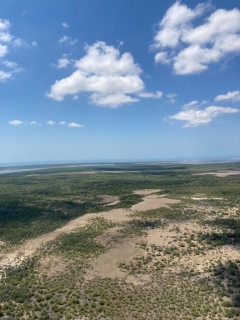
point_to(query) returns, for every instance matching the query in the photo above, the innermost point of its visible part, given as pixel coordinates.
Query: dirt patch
(153, 202)
(221, 174)
(146, 192)
(106, 264)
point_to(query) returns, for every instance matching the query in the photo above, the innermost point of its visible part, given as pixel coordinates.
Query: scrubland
(151, 241)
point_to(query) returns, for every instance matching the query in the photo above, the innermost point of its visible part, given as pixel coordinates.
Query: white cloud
(190, 105)
(5, 36)
(3, 50)
(233, 96)
(62, 122)
(15, 122)
(33, 122)
(162, 57)
(111, 100)
(156, 95)
(63, 39)
(174, 23)
(50, 122)
(65, 25)
(171, 97)
(191, 49)
(19, 43)
(110, 78)
(4, 24)
(10, 64)
(75, 97)
(195, 117)
(63, 63)
(68, 40)
(75, 125)
(7, 41)
(5, 75)
(34, 43)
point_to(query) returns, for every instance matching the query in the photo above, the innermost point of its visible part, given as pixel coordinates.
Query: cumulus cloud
(162, 57)
(50, 122)
(19, 43)
(195, 117)
(3, 50)
(67, 40)
(154, 95)
(190, 105)
(14, 122)
(5, 75)
(190, 49)
(171, 97)
(7, 41)
(75, 125)
(65, 25)
(63, 63)
(233, 96)
(33, 122)
(5, 36)
(62, 122)
(111, 79)
(10, 64)
(111, 100)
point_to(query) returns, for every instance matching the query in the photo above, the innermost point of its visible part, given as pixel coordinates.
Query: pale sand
(221, 174)
(106, 264)
(146, 192)
(205, 198)
(153, 202)
(15, 257)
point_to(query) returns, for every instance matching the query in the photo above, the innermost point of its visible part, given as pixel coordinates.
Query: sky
(119, 80)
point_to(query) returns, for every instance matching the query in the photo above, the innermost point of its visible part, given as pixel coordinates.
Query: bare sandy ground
(153, 202)
(106, 265)
(25, 250)
(205, 198)
(146, 192)
(221, 174)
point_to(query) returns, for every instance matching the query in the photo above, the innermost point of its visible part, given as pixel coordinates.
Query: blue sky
(97, 80)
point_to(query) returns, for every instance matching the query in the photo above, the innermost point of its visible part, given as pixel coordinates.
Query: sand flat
(146, 192)
(221, 174)
(153, 202)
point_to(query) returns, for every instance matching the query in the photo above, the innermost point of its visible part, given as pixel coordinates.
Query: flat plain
(130, 241)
